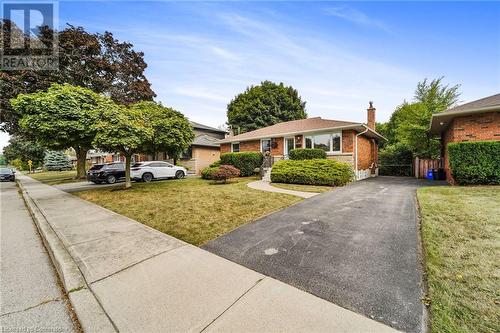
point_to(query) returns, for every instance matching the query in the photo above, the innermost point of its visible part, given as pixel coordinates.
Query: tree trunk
(175, 160)
(128, 183)
(81, 160)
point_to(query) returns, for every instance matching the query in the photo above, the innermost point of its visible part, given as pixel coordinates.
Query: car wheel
(179, 174)
(111, 179)
(147, 177)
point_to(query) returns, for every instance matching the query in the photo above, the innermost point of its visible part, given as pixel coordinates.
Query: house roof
(206, 141)
(440, 121)
(300, 126)
(205, 127)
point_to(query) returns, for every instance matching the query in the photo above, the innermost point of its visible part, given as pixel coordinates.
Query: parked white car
(150, 170)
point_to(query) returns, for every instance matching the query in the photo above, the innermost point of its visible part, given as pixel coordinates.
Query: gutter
(356, 150)
(453, 114)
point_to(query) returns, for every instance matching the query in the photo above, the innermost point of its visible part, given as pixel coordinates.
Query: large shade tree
(124, 130)
(171, 130)
(62, 117)
(264, 105)
(95, 61)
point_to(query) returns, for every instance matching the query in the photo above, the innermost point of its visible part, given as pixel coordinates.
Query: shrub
(246, 162)
(312, 172)
(215, 164)
(225, 172)
(307, 154)
(207, 172)
(475, 162)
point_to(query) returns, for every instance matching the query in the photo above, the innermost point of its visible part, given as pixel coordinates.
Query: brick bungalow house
(351, 142)
(475, 121)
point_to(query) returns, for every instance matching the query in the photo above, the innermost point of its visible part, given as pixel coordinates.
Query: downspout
(356, 151)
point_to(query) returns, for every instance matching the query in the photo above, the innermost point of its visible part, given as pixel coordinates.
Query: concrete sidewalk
(124, 276)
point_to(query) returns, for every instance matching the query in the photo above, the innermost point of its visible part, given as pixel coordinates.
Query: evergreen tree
(56, 161)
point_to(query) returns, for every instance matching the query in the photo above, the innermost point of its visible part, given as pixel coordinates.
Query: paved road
(356, 246)
(31, 299)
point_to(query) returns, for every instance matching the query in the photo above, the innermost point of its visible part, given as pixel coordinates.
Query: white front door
(289, 145)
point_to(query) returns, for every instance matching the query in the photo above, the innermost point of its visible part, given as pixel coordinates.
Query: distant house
(352, 142)
(205, 148)
(475, 121)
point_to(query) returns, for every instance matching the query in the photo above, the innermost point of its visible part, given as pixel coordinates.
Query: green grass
(461, 237)
(303, 188)
(55, 177)
(192, 209)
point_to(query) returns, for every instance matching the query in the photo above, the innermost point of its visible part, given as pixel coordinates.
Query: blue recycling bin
(429, 175)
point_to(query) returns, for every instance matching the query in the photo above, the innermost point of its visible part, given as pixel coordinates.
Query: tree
(124, 130)
(409, 123)
(436, 96)
(62, 117)
(56, 160)
(24, 149)
(172, 132)
(264, 105)
(98, 62)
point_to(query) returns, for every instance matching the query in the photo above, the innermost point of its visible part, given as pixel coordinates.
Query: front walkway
(147, 281)
(265, 186)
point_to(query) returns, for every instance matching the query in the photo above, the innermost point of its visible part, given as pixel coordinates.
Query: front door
(289, 145)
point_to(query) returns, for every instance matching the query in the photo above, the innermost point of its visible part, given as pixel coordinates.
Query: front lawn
(461, 237)
(191, 209)
(303, 188)
(55, 177)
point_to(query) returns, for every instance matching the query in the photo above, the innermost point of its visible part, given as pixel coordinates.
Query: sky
(338, 55)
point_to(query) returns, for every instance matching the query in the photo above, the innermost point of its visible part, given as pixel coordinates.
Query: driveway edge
(89, 311)
(426, 319)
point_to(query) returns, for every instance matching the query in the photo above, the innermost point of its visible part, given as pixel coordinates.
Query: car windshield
(97, 167)
(5, 171)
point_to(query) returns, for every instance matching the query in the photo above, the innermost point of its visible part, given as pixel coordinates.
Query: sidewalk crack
(231, 305)
(57, 299)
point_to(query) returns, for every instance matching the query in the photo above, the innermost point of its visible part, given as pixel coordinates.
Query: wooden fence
(421, 166)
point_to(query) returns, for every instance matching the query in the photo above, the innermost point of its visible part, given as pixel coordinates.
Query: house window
(235, 147)
(265, 145)
(309, 142)
(336, 138)
(322, 142)
(331, 143)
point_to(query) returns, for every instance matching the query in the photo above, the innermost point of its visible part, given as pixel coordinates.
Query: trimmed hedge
(312, 172)
(246, 162)
(475, 162)
(307, 154)
(224, 173)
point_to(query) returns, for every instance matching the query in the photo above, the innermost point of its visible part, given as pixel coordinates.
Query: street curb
(90, 313)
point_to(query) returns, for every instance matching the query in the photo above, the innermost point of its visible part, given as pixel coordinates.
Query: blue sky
(339, 55)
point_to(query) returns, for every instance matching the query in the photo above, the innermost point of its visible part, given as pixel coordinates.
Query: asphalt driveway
(355, 246)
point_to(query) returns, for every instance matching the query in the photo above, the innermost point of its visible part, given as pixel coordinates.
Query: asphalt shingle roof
(493, 100)
(287, 127)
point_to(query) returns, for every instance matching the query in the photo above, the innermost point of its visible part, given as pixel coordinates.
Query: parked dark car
(7, 175)
(106, 173)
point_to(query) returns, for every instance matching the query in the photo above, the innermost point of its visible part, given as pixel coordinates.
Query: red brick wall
(348, 141)
(225, 148)
(480, 127)
(253, 145)
(279, 146)
(365, 157)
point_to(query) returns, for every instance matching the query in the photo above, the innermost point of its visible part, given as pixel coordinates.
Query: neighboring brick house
(475, 121)
(351, 142)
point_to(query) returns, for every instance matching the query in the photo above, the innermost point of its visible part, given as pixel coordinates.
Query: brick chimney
(370, 115)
